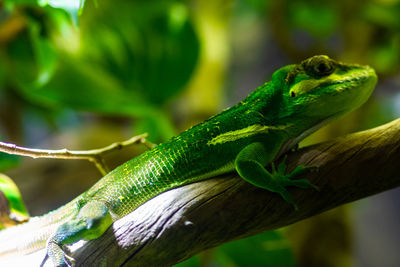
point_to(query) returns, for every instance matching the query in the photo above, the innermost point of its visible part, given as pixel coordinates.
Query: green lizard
(246, 137)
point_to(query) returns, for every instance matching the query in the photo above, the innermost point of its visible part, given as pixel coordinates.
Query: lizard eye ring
(319, 66)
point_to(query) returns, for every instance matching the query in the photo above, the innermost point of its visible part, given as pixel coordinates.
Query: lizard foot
(284, 180)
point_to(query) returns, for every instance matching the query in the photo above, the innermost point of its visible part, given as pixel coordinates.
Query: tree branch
(182, 222)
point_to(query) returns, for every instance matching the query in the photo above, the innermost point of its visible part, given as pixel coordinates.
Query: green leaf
(317, 18)
(31, 58)
(259, 5)
(3, 72)
(385, 56)
(44, 54)
(127, 59)
(149, 46)
(267, 249)
(21, 61)
(385, 15)
(157, 125)
(16, 2)
(80, 86)
(194, 261)
(72, 7)
(8, 161)
(12, 207)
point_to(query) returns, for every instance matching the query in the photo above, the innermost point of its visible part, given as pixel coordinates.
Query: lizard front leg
(250, 162)
(90, 223)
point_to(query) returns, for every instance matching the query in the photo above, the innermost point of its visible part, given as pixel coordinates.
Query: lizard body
(246, 137)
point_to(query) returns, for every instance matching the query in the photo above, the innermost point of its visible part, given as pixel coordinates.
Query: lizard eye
(292, 94)
(319, 66)
(323, 69)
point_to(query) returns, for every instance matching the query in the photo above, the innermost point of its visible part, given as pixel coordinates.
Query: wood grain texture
(182, 222)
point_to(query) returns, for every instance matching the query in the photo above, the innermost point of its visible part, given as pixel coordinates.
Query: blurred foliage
(149, 66)
(8, 161)
(364, 31)
(125, 65)
(203, 95)
(267, 249)
(323, 240)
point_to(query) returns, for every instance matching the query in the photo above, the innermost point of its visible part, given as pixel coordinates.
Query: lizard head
(322, 87)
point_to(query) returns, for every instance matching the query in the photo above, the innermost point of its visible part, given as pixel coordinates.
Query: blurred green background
(83, 74)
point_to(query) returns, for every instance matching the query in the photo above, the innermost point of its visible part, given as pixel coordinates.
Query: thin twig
(94, 155)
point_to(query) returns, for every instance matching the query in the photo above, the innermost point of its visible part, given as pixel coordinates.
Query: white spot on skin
(188, 223)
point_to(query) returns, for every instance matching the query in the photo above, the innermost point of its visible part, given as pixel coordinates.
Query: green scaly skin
(246, 137)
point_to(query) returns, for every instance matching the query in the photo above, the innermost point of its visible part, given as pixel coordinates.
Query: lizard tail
(31, 236)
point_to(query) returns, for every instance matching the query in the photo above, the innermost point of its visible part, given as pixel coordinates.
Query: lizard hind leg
(91, 222)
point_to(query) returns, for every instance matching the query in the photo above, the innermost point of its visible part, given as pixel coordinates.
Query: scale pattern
(167, 166)
(278, 114)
